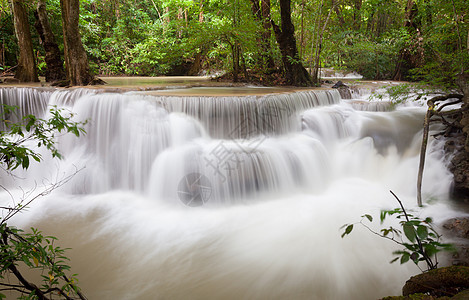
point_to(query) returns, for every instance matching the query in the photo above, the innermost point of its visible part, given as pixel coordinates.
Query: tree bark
(26, 70)
(54, 63)
(295, 73)
(76, 61)
(423, 151)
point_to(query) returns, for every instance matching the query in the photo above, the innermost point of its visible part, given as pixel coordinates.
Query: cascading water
(229, 197)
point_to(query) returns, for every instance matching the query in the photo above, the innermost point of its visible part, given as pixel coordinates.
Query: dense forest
(266, 41)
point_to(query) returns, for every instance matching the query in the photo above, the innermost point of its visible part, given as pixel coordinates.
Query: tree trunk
(76, 61)
(261, 12)
(26, 70)
(256, 10)
(54, 63)
(318, 47)
(265, 10)
(357, 14)
(235, 51)
(201, 11)
(295, 73)
(179, 17)
(338, 13)
(408, 57)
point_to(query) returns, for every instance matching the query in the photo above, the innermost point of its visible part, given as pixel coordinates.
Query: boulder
(459, 227)
(344, 90)
(339, 84)
(447, 281)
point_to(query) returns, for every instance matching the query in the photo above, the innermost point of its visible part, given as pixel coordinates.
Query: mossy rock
(440, 282)
(418, 296)
(464, 295)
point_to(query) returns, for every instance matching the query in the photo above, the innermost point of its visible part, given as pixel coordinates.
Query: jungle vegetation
(264, 41)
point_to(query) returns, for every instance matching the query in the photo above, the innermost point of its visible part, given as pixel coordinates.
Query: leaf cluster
(15, 140)
(33, 250)
(417, 236)
(37, 252)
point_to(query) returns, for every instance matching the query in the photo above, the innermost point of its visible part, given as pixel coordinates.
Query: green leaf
(409, 231)
(382, 216)
(428, 220)
(430, 249)
(347, 230)
(422, 232)
(405, 258)
(370, 218)
(394, 260)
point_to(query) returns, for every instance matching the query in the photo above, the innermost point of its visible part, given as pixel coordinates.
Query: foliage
(8, 45)
(14, 150)
(37, 252)
(128, 37)
(400, 93)
(33, 249)
(418, 237)
(444, 42)
(373, 58)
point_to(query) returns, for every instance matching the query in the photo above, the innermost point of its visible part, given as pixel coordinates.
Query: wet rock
(459, 227)
(448, 281)
(339, 84)
(343, 89)
(419, 296)
(460, 169)
(11, 80)
(345, 93)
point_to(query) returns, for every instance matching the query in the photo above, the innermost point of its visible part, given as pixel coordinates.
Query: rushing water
(237, 197)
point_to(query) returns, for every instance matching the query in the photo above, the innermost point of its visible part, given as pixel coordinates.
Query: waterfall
(228, 197)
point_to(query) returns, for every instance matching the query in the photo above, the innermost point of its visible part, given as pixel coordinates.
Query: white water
(282, 175)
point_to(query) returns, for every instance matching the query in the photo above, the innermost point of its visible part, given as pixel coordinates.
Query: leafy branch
(34, 250)
(419, 239)
(14, 151)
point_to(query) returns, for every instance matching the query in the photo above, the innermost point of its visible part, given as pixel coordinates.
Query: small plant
(398, 94)
(420, 240)
(37, 252)
(33, 250)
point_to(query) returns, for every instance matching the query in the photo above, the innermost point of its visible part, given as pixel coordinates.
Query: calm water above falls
(237, 197)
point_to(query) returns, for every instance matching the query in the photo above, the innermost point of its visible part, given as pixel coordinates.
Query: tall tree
(357, 14)
(54, 63)
(261, 12)
(26, 70)
(410, 56)
(295, 73)
(76, 61)
(320, 28)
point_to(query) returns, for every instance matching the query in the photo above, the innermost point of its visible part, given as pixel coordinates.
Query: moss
(418, 296)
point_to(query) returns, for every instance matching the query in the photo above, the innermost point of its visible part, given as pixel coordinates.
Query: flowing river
(228, 193)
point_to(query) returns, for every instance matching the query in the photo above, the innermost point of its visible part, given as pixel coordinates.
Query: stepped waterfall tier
(227, 197)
